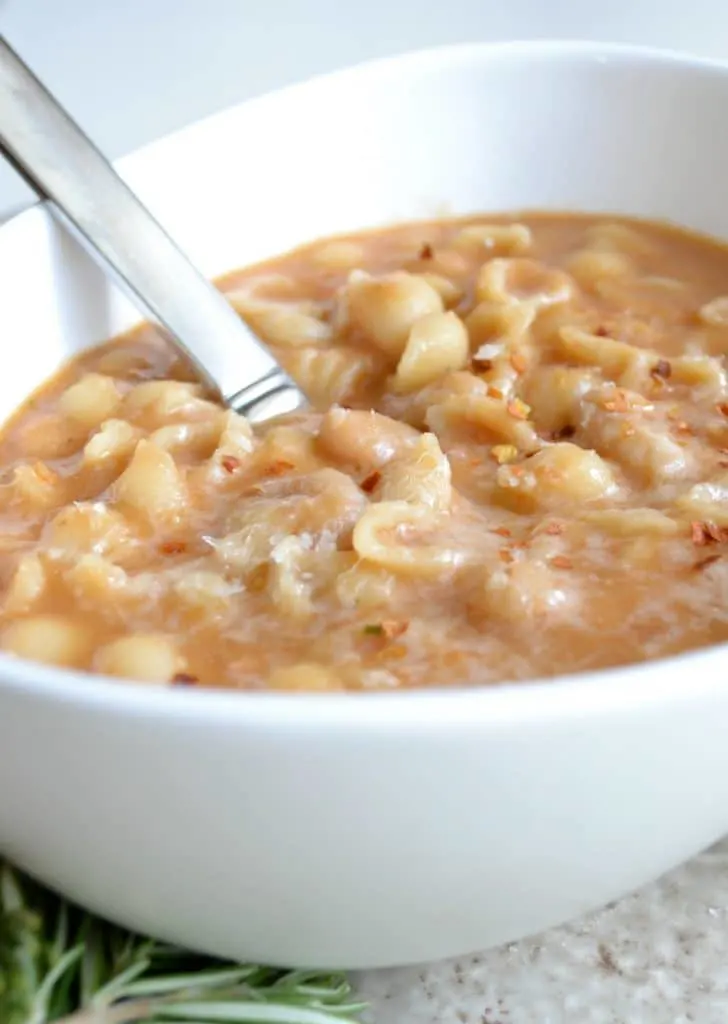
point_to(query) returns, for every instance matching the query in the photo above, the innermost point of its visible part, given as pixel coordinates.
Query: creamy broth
(542, 489)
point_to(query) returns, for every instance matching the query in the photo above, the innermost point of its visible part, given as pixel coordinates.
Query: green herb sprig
(60, 964)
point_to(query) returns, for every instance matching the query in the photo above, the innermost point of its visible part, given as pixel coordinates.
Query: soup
(517, 467)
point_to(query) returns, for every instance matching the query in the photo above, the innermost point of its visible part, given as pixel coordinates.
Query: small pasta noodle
(384, 533)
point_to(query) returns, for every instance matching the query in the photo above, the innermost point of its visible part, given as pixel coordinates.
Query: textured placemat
(657, 957)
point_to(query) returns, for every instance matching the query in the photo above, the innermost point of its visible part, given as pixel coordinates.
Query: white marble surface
(657, 957)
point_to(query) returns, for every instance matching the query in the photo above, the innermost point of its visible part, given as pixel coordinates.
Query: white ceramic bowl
(371, 830)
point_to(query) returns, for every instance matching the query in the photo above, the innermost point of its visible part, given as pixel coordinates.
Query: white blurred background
(132, 70)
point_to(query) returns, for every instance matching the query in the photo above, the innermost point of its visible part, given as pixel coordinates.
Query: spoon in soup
(61, 164)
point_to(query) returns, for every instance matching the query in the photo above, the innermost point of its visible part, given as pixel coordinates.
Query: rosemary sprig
(59, 964)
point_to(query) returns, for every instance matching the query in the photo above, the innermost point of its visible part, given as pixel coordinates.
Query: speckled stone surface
(657, 957)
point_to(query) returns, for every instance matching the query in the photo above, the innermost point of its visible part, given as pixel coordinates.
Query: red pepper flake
(662, 369)
(370, 482)
(519, 362)
(495, 393)
(704, 533)
(392, 628)
(601, 332)
(561, 562)
(722, 408)
(618, 403)
(682, 427)
(481, 365)
(518, 409)
(505, 555)
(705, 562)
(184, 679)
(230, 463)
(502, 531)
(698, 534)
(172, 547)
(277, 468)
(555, 529)
(426, 252)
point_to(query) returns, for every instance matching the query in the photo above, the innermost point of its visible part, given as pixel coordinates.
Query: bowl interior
(456, 130)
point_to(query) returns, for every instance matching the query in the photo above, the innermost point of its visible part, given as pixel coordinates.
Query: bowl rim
(618, 689)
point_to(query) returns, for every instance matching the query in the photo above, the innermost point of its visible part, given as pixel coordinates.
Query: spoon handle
(61, 164)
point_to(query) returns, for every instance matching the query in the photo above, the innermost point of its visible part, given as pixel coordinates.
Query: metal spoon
(62, 165)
